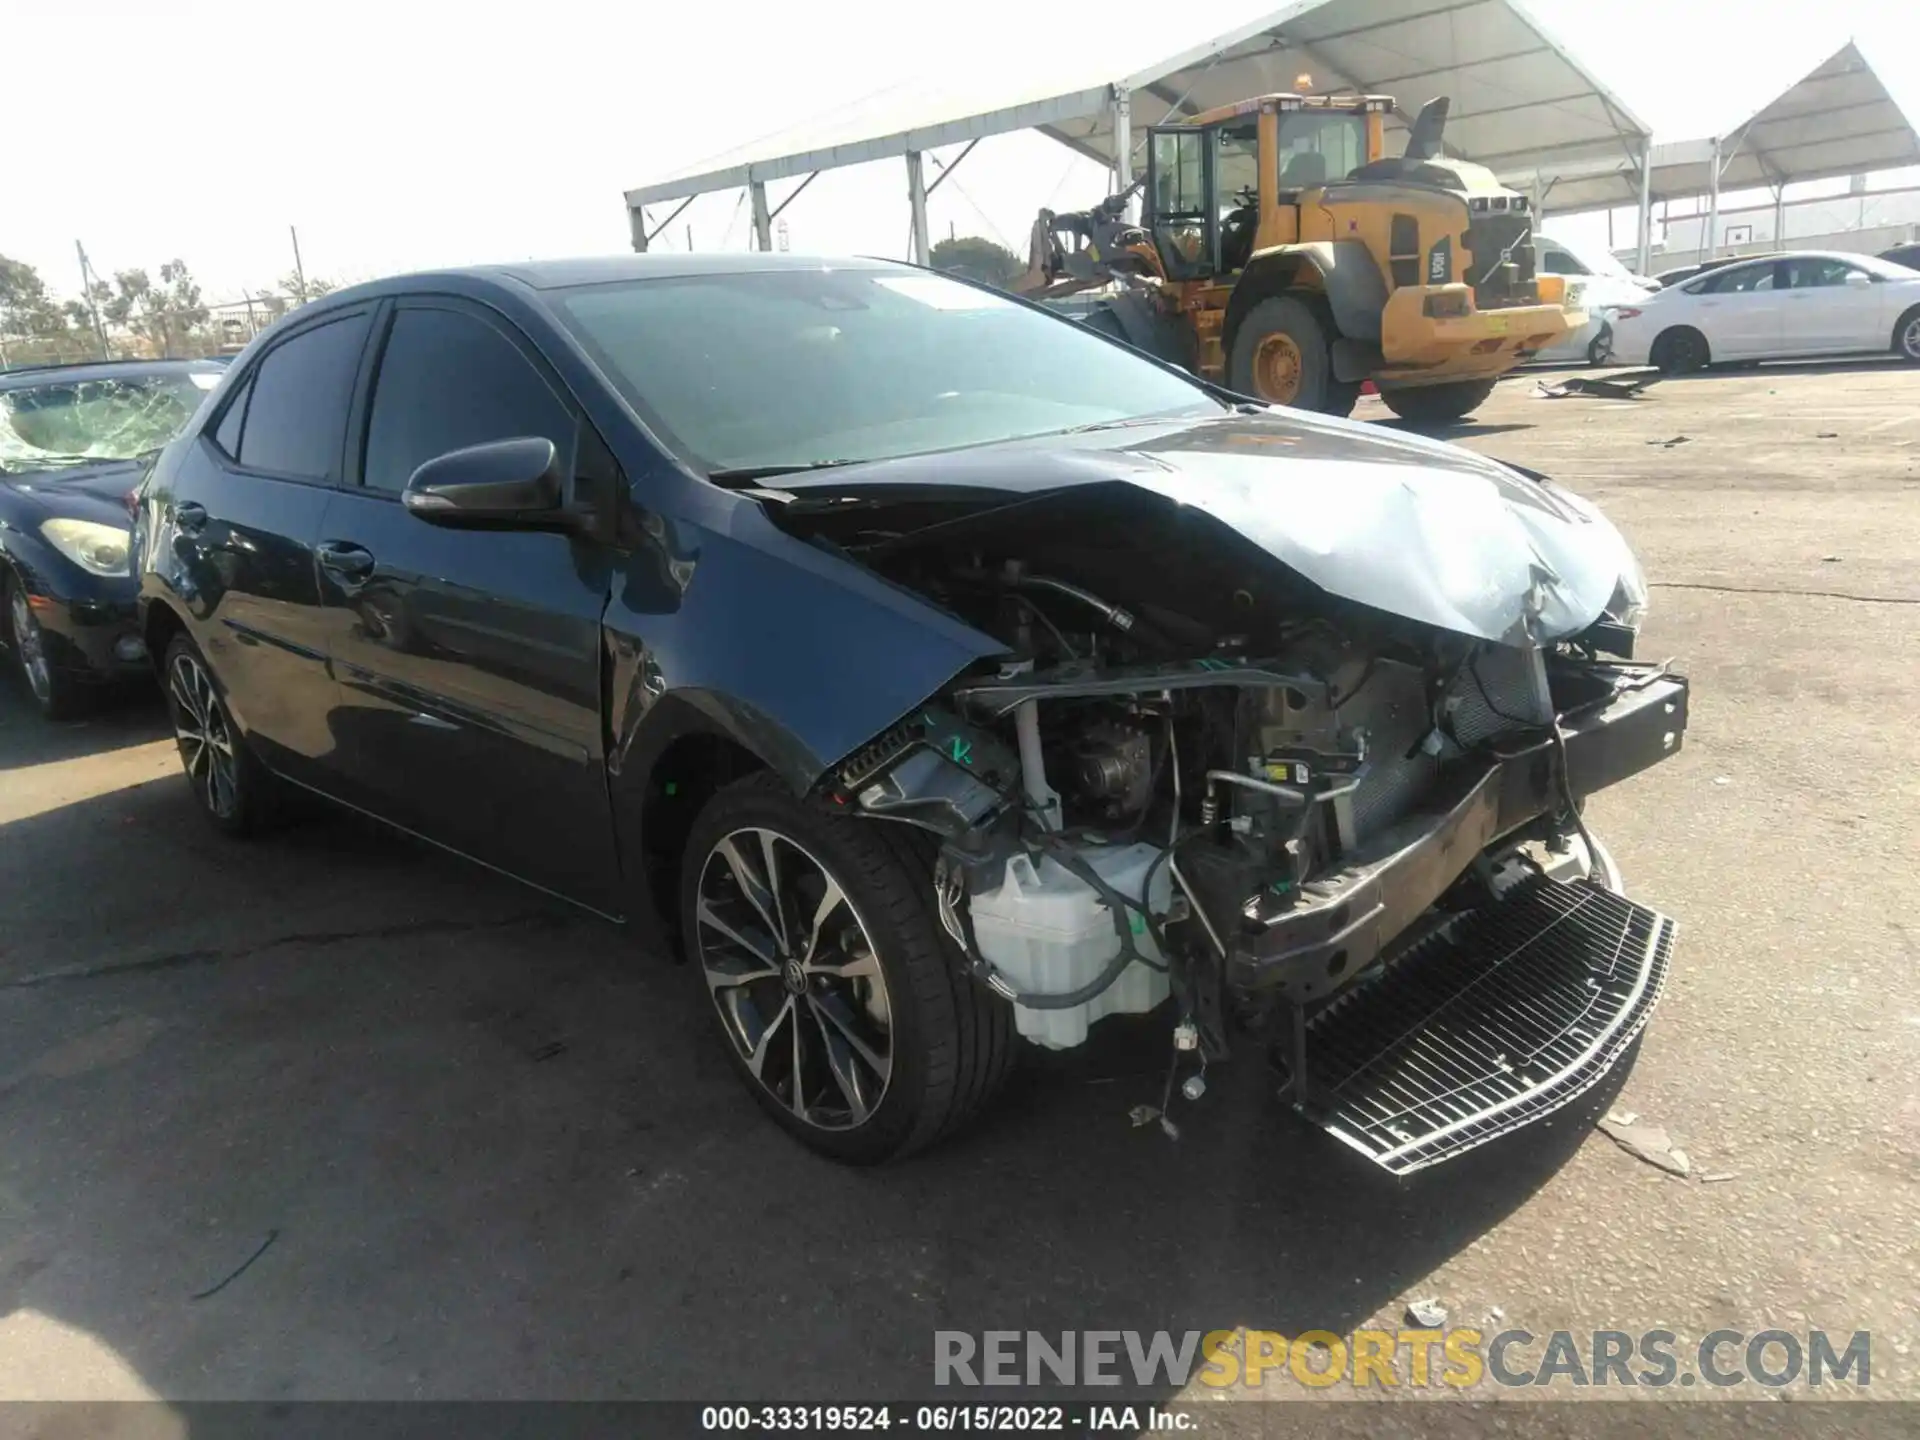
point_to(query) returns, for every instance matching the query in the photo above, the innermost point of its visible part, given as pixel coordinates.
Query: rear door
(469, 661)
(1830, 313)
(247, 504)
(1740, 309)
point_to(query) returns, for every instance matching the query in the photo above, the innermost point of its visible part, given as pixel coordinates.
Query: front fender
(1355, 289)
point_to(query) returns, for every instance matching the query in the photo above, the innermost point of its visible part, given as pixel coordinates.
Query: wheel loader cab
(1229, 182)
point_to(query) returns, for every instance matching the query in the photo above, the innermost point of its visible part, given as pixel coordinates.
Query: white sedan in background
(1781, 307)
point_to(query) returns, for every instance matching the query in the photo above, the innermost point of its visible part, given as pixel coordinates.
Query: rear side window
(1734, 280)
(296, 413)
(447, 380)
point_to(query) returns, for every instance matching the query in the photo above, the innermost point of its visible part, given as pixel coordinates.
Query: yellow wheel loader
(1280, 254)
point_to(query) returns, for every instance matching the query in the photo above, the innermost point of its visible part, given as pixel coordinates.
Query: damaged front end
(1311, 783)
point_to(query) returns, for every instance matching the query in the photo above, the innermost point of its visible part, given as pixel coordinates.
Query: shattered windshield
(85, 422)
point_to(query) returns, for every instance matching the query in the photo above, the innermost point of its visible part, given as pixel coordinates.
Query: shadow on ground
(490, 1151)
(115, 720)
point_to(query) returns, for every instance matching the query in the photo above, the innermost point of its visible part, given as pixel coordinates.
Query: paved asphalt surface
(498, 1153)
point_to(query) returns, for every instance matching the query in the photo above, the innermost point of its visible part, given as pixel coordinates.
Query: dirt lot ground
(497, 1154)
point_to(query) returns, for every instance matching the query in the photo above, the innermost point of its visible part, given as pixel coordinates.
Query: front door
(469, 661)
(1830, 311)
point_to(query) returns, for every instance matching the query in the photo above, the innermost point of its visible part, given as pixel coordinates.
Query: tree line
(137, 315)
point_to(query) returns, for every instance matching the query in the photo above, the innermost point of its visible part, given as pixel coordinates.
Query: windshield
(85, 422)
(804, 367)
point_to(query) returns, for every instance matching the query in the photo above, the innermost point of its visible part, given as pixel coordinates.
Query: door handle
(190, 516)
(346, 559)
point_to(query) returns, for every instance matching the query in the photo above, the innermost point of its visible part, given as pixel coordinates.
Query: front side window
(296, 419)
(1818, 273)
(799, 367)
(447, 380)
(67, 423)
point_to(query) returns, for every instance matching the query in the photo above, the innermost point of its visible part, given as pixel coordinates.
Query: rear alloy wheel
(56, 697)
(1681, 351)
(1906, 337)
(227, 781)
(835, 989)
(1282, 354)
(1438, 404)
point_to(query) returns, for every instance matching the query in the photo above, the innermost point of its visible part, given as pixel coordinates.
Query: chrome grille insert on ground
(1505, 1015)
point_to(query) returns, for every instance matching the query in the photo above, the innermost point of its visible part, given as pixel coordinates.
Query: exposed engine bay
(1198, 776)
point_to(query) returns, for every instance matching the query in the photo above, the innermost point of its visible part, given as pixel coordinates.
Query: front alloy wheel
(793, 974)
(840, 999)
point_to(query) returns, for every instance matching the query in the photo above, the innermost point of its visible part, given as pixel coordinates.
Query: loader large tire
(1438, 404)
(1283, 353)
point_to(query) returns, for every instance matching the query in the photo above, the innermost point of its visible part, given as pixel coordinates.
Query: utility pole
(299, 271)
(93, 306)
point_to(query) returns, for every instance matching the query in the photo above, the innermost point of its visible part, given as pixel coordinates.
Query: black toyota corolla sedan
(72, 442)
(938, 677)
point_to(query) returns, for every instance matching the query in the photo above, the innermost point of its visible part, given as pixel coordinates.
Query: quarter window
(447, 380)
(296, 415)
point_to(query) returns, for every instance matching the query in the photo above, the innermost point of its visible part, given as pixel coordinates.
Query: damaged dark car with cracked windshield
(937, 677)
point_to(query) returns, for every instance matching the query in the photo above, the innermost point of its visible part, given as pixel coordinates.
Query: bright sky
(408, 134)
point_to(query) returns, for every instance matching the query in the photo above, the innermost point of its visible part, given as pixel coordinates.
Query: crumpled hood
(1420, 529)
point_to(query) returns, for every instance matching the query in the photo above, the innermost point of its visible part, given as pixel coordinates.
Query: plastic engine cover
(1048, 932)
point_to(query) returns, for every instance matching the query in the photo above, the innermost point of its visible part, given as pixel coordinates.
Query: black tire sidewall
(1441, 404)
(1900, 327)
(760, 800)
(64, 698)
(1682, 351)
(1295, 317)
(249, 780)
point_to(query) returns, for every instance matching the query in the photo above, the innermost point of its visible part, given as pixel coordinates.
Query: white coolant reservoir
(1048, 932)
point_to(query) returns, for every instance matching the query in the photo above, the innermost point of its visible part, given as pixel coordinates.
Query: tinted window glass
(1814, 272)
(297, 415)
(1734, 280)
(792, 367)
(227, 435)
(448, 380)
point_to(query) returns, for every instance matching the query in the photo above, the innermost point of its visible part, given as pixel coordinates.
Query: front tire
(1438, 404)
(230, 787)
(1283, 354)
(54, 694)
(838, 997)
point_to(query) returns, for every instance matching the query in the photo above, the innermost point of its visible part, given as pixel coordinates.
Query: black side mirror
(503, 484)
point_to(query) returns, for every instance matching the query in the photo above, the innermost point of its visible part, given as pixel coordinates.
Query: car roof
(608, 269)
(18, 376)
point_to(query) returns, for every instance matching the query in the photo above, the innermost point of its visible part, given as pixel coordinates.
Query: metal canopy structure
(1520, 101)
(1836, 120)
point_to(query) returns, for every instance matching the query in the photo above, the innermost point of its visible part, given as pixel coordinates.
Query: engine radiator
(1507, 1014)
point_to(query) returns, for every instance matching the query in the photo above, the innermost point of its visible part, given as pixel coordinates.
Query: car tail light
(132, 501)
(1626, 312)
